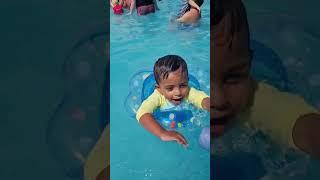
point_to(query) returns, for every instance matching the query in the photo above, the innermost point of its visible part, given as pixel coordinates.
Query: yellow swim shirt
(157, 100)
(275, 113)
(99, 157)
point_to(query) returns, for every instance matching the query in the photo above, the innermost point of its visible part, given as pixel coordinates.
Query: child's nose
(177, 92)
(219, 101)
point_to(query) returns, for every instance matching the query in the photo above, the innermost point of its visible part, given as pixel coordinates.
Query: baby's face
(175, 87)
(231, 85)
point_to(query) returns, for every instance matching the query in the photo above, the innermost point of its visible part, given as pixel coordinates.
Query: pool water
(291, 57)
(135, 44)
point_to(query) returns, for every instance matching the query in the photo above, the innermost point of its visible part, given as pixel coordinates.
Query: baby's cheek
(185, 92)
(247, 95)
(238, 96)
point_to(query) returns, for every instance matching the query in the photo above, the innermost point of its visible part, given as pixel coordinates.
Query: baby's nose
(218, 101)
(177, 92)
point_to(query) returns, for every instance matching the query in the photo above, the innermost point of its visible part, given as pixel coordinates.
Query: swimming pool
(293, 40)
(136, 43)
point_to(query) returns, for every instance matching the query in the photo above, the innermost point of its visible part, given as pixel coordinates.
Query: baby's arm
(306, 134)
(206, 103)
(149, 123)
(289, 121)
(199, 98)
(146, 119)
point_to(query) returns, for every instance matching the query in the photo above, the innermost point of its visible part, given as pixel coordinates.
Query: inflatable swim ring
(72, 132)
(268, 67)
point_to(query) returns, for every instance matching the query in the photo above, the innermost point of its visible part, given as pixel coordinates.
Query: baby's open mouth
(176, 101)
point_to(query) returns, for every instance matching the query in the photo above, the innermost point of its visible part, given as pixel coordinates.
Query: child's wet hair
(231, 17)
(199, 2)
(168, 64)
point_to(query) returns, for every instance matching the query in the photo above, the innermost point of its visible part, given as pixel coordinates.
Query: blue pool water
(136, 43)
(287, 46)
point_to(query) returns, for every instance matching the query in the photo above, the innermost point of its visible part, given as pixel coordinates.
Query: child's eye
(169, 89)
(236, 78)
(183, 85)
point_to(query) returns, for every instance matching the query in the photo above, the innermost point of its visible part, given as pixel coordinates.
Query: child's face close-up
(231, 84)
(175, 87)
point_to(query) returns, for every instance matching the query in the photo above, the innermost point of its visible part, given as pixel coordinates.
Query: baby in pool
(171, 75)
(237, 96)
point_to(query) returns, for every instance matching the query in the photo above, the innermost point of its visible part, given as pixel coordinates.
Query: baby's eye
(236, 78)
(169, 89)
(183, 85)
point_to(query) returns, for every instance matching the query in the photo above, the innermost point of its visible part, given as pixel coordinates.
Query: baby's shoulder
(269, 98)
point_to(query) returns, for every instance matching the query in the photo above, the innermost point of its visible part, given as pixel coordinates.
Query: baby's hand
(173, 136)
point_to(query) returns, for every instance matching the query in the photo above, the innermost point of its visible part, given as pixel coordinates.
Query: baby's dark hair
(199, 2)
(231, 17)
(168, 64)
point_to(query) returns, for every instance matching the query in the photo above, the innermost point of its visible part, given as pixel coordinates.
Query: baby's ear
(156, 86)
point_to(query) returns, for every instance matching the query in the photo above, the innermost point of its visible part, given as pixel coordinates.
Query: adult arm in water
(132, 6)
(191, 16)
(195, 5)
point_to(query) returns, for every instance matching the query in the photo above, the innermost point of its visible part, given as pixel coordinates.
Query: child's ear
(157, 86)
